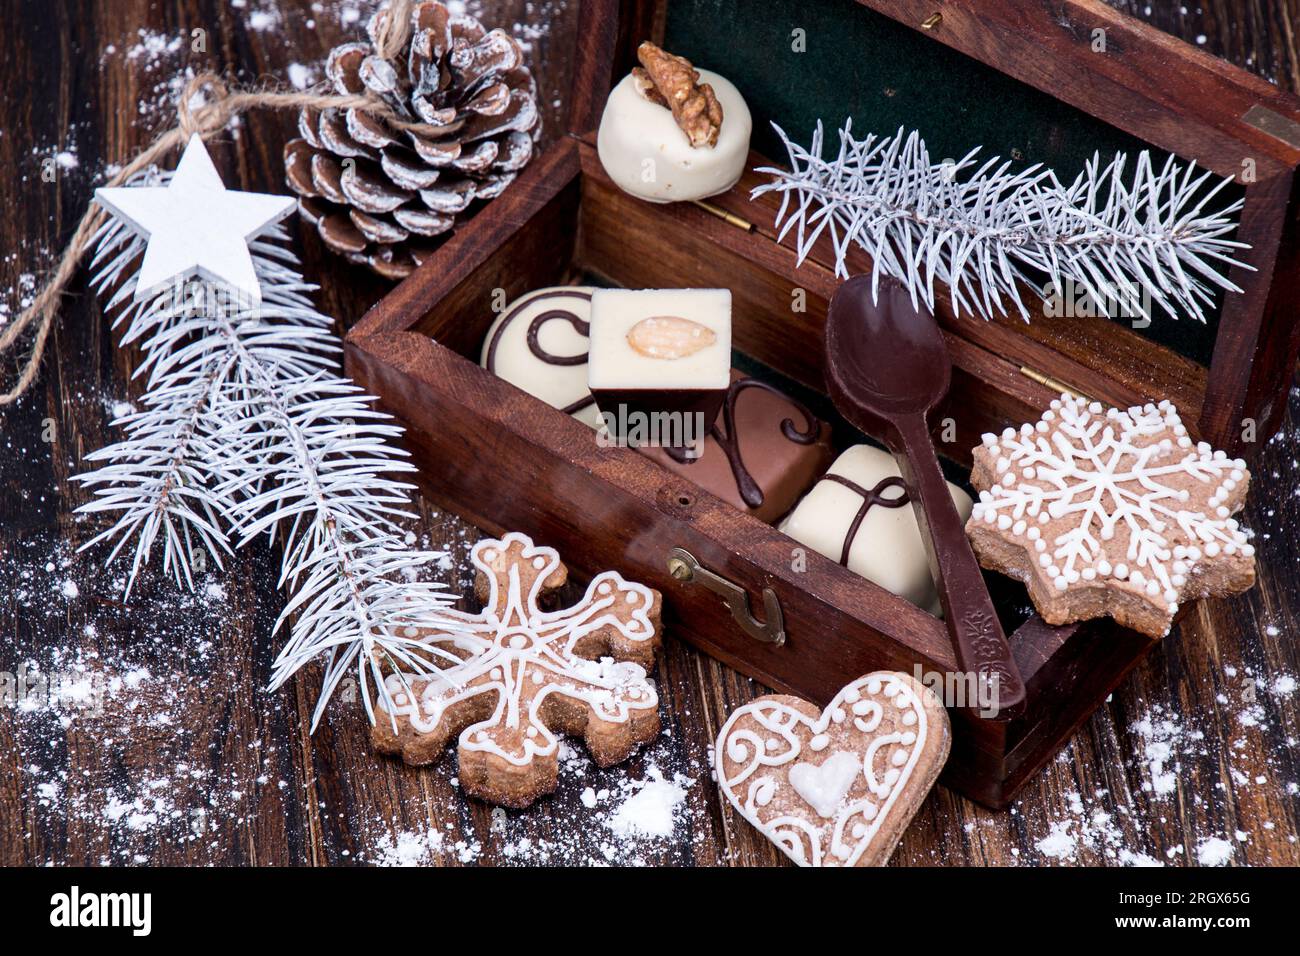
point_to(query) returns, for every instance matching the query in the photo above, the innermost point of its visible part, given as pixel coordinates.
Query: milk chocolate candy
(761, 454)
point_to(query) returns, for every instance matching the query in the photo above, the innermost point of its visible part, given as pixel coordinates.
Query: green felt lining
(883, 74)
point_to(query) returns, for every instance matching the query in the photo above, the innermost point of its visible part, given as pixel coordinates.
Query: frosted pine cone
(387, 195)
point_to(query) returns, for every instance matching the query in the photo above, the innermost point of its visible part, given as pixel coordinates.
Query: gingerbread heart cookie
(839, 786)
(515, 677)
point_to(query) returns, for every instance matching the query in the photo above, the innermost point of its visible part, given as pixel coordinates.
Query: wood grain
(326, 799)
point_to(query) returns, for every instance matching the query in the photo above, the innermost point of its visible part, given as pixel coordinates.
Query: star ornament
(1110, 512)
(195, 226)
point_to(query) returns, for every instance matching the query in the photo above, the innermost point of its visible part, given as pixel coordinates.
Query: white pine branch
(982, 230)
(247, 428)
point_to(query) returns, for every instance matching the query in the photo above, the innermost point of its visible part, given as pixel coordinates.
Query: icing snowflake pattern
(1140, 502)
(774, 763)
(509, 661)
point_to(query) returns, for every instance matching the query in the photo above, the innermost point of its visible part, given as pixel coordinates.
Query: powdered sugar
(301, 77)
(1059, 844)
(79, 666)
(1171, 752)
(1164, 741)
(651, 811)
(1095, 827)
(1214, 851)
(408, 848)
(18, 296)
(610, 817)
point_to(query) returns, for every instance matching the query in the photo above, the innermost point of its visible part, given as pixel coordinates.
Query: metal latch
(683, 566)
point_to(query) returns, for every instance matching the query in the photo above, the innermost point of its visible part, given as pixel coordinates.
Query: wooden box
(504, 460)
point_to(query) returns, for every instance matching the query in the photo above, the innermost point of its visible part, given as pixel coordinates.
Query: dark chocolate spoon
(887, 368)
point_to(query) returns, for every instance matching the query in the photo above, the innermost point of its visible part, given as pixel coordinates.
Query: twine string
(206, 106)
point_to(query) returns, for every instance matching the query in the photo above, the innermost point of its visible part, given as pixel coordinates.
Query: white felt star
(195, 226)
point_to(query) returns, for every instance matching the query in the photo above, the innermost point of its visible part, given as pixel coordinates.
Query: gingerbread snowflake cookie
(514, 677)
(835, 788)
(1109, 512)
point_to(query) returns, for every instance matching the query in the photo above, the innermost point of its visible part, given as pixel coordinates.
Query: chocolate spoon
(887, 368)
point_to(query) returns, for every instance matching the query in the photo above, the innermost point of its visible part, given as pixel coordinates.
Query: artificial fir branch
(247, 428)
(982, 230)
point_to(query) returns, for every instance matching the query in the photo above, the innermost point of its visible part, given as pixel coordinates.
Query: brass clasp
(683, 566)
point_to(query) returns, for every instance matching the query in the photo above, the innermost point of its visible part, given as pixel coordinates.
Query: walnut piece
(671, 81)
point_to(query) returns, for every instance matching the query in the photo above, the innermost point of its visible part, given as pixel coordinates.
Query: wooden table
(189, 760)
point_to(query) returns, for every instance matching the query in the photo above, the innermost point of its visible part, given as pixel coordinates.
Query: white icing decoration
(762, 791)
(512, 640)
(824, 786)
(1107, 471)
(768, 733)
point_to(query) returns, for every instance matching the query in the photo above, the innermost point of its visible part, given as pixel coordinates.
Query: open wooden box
(504, 460)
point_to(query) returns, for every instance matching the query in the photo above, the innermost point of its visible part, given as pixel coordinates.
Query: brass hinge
(729, 217)
(1054, 384)
(684, 567)
(1274, 124)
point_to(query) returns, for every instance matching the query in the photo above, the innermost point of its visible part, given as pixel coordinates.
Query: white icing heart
(824, 787)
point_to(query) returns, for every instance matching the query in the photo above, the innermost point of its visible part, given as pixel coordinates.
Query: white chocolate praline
(887, 548)
(646, 153)
(507, 354)
(614, 361)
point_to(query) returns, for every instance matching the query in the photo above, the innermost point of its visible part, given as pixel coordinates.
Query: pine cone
(388, 196)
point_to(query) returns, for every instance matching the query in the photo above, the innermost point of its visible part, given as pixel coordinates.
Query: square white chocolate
(887, 546)
(660, 339)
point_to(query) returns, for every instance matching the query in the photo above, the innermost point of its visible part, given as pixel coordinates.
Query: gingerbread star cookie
(839, 786)
(1103, 512)
(515, 677)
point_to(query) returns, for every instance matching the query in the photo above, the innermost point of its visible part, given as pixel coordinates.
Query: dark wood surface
(190, 760)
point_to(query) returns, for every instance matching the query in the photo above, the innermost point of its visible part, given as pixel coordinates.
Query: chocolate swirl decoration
(534, 337)
(870, 498)
(729, 441)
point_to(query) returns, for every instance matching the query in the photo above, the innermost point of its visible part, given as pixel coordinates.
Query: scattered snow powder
(651, 810)
(1058, 844)
(407, 849)
(1163, 741)
(301, 77)
(1213, 851)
